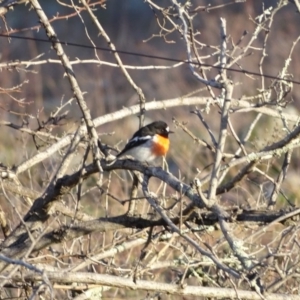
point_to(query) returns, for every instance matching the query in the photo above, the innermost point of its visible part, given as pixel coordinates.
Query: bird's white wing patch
(140, 138)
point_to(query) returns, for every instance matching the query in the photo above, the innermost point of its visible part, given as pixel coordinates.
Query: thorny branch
(223, 213)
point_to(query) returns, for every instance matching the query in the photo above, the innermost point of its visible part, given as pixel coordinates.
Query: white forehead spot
(167, 129)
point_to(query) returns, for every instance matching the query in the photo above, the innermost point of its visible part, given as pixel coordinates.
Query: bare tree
(218, 220)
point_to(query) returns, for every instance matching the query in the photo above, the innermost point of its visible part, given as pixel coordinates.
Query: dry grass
(108, 91)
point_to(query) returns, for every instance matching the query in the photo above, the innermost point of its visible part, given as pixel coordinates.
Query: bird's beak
(170, 131)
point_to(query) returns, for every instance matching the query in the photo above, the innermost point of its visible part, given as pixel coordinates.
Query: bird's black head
(159, 127)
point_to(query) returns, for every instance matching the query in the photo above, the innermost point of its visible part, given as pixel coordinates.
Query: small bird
(148, 143)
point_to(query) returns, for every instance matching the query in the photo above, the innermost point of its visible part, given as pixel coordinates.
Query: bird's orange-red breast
(148, 143)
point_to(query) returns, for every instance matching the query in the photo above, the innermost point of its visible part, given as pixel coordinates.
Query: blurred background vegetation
(133, 27)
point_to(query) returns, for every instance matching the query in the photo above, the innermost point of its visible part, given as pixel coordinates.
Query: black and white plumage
(148, 143)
